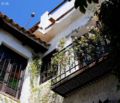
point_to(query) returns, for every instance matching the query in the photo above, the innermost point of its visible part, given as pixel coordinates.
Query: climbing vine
(34, 70)
(60, 57)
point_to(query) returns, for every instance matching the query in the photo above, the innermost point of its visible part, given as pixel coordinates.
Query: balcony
(84, 60)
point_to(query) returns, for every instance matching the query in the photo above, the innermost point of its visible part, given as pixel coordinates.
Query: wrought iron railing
(85, 50)
(47, 73)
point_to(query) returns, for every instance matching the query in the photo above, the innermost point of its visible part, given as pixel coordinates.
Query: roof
(26, 37)
(58, 6)
(52, 20)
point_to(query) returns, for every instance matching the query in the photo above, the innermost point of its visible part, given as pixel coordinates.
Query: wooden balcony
(84, 65)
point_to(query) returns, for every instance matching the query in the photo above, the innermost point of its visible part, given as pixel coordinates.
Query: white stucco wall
(25, 92)
(55, 15)
(10, 41)
(67, 24)
(102, 89)
(79, 23)
(63, 9)
(24, 51)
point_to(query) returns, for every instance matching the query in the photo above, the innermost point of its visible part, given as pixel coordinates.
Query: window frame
(4, 84)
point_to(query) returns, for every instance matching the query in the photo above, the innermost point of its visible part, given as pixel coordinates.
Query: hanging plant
(61, 60)
(35, 69)
(35, 66)
(60, 57)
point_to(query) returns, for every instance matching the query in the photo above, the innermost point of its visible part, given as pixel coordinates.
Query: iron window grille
(11, 73)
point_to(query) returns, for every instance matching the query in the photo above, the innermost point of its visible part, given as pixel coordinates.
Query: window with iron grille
(12, 67)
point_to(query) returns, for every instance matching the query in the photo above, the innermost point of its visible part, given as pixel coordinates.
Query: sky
(20, 10)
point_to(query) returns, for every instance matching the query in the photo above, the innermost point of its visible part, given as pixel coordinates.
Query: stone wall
(43, 94)
(101, 89)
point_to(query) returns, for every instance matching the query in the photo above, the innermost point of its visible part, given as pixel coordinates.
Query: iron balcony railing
(82, 52)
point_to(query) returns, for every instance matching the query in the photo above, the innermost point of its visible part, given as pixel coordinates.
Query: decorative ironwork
(47, 72)
(11, 72)
(82, 52)
(10, 76)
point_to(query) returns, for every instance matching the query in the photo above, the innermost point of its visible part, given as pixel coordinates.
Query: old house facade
(81, 75)
(17, 48)
(72, 56)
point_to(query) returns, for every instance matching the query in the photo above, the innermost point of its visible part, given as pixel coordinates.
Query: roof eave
(24, 38)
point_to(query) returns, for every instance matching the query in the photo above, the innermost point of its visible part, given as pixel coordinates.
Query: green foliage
(108, 17)
(13, 83)
(61, 43)
(84, 49)
(61, 58)
(83, 4)
(109, 26)
(42, 94)
(7, 99)
(34, 70)
(58, 56)
(90, 45)
(35, 66)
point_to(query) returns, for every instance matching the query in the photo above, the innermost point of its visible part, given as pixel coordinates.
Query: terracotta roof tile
(21, 29)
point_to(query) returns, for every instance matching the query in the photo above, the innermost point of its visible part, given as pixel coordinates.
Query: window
(47, 72)
(12, 68)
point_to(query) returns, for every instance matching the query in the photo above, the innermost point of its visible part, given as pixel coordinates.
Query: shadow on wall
(108, 101)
